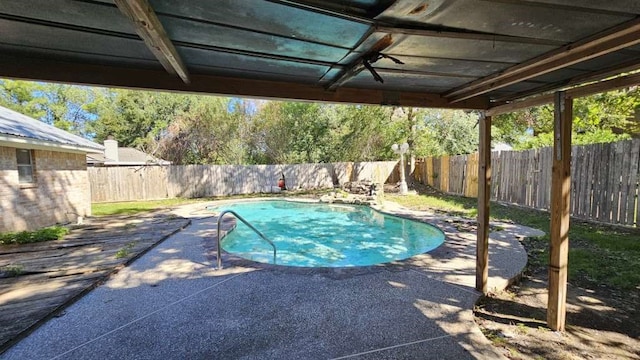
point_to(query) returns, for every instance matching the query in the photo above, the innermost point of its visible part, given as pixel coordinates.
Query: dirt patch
(602, 322)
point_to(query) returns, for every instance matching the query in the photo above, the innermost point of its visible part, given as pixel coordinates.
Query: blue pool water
(323, 235)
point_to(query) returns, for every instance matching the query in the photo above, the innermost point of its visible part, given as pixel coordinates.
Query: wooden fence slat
(579, 177)
(595, 181)
(617, 180)
(544, 172)
(602, 183)
(471, 173)
(614, 182)
(585, 179)
(444, 180)
(507, 177)
(633, 202)
(587, 195)
(530, 178)
(575, 162)
(521, 183)
(625, 185)
(533, 155)
(589, 205)
(603, 214)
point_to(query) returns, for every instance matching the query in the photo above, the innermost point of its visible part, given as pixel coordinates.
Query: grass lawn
(134, 207)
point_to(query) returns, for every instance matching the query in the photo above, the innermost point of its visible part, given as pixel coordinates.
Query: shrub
(26, 237)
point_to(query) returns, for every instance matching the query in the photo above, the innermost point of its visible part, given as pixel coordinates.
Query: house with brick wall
(43, 173)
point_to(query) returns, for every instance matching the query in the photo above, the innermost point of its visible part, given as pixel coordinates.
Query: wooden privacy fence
(604, 179)
(129, 183)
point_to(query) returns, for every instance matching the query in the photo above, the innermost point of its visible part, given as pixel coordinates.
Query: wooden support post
(484, 193)
(560, 211)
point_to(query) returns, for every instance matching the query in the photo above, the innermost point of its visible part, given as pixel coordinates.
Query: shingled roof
(16, 128)
(126, 156)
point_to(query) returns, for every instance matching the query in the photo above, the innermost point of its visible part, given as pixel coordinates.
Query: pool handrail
(219, 248)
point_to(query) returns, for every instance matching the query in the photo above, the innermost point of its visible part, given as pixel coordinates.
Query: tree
(21, 96)
(70, 108)
(293, 132)
(361, 133)
(138, 118)
(211, 132)
(597, 118)
(447, 132)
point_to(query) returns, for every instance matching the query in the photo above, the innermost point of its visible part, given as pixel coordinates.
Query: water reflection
(308, 234)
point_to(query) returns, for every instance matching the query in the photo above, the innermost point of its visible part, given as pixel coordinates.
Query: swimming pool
(326, 235)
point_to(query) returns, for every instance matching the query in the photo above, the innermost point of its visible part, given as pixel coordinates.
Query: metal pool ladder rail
(219, 250)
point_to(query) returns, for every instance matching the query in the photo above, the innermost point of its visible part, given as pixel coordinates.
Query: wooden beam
(385, 70)
(463, 35)
(628, 66)
(23, 67)
(560, 212)
(619, 37)
(484, 195)
(149, 28)
(357, 65)
(595, 88)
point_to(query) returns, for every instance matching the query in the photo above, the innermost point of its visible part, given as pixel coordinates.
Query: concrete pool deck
(173, 304)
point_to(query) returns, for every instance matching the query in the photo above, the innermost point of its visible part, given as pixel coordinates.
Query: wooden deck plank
(57, 272)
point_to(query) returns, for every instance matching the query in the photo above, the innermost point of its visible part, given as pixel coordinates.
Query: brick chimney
(111, 149)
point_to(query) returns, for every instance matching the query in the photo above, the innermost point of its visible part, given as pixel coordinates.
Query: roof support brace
(595, 88)
(150, 29)
(629, 66)
(619, 37)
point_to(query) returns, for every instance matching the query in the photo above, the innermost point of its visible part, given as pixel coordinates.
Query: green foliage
(11, 270)
(447, 132)
(207, 134)
(135, 207)
(595, 137)
(21, 97)
(26, 237)
(68, 107)
(198, 129)
(125, 250)
(362, 133)
(598, 118)
(294, 132)
(137, 118)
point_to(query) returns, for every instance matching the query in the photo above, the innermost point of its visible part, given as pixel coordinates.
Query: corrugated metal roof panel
(19, 125)
(466, 49)
(519, 18)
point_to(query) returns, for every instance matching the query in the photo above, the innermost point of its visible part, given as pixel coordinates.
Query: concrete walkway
(172, 304)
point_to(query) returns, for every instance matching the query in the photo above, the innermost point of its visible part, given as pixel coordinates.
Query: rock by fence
(604, 179)
(129, 183)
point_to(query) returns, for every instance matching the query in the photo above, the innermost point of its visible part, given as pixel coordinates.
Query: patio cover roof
(472, 54)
